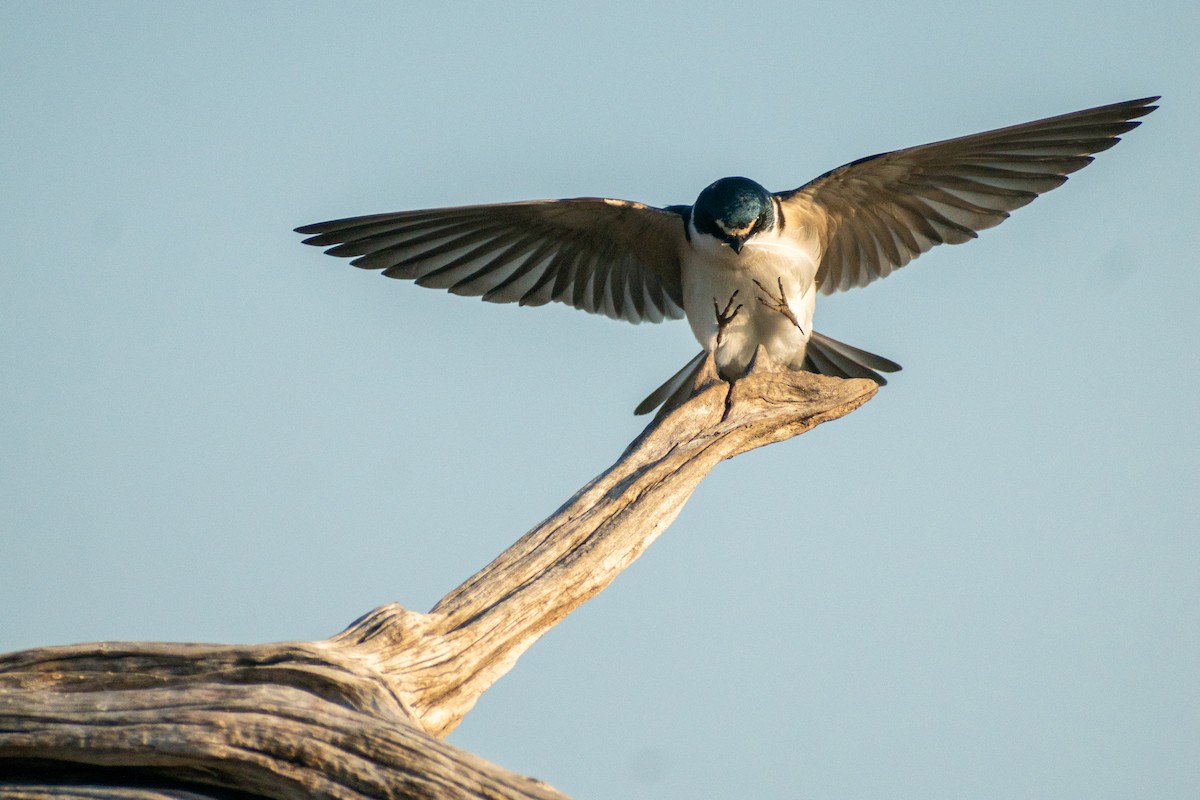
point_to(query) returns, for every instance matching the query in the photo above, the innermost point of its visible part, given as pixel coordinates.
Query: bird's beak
(737, 243)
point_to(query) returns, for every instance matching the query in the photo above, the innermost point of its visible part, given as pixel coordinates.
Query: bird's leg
(724, 317)
(778, 303)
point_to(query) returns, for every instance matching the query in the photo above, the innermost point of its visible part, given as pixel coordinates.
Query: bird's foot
(725, 316)
(779, 303)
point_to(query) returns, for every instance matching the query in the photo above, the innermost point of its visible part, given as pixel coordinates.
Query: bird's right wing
(611, 257)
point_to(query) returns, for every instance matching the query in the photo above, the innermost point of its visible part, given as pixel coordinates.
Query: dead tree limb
(361, 715)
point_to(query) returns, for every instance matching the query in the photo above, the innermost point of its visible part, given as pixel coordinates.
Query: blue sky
(984, 583)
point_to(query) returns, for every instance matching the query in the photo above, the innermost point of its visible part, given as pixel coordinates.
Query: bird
(743, 264)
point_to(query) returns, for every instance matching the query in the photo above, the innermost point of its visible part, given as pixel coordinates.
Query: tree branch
(362, 714)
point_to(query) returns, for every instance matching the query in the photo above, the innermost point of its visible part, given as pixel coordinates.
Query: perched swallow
(743, 264)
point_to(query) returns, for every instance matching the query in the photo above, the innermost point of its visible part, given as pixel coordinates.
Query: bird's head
(733, 210)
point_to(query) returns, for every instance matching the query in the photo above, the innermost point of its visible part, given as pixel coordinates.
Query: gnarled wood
(362, 714)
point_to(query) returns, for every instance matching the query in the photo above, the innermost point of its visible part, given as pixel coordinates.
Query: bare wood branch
(362, 714)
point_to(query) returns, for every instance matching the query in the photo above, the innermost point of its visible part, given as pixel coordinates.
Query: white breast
(712, 272)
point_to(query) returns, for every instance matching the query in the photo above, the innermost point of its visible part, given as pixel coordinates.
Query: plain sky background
(985, 583)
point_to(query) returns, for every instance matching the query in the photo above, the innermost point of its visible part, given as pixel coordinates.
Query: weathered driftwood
(362, 714)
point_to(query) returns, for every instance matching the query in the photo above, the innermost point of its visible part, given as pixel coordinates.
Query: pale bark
(362, 714)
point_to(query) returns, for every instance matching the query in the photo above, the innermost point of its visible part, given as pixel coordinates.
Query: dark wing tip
(320, 234)
(1132, 110)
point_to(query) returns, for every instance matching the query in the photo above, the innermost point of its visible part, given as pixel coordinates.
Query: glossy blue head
(733, 210)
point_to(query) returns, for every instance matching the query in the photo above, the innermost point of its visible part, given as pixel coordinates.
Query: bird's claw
(779, 303)
(724, 316)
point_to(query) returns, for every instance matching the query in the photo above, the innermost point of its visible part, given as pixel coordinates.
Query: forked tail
(823, 355)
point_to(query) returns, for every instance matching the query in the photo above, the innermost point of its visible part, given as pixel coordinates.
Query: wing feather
(878, 213)
(610, 257)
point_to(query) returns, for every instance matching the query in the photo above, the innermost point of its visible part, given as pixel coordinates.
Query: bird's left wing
(876, 214)
(611, 257)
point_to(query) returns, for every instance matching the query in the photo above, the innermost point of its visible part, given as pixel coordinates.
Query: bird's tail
(823, 355)
(828, 356)
(674, 384)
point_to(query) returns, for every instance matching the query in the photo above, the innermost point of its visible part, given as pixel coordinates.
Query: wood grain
(362, 714)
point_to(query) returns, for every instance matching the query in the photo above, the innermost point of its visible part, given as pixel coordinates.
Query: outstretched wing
(876, 214)
(604, 256)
